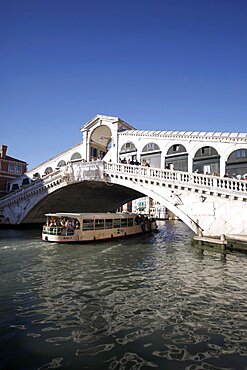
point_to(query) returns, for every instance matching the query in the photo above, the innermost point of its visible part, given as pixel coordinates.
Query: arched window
(128, 147)
(175, 149)
(237, 162)
(75, 156)
(206, 161)
(150, 147)
(239, 154)
(151, 155)
(61, 163)
(177, 158)
(206, 151)
(25, 181)
(48, 170)
(15, 187)
(36, 176)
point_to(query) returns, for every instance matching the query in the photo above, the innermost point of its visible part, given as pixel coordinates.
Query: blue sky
(157, 64)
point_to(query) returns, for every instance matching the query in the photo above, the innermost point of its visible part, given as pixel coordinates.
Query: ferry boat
(84, 227)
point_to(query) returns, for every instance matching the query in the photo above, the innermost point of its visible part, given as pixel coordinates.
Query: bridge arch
(209, 205)
(74, 197)
(100, 142)
(170, 200)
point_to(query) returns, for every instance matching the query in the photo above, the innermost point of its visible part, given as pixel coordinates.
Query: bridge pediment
(109, 121)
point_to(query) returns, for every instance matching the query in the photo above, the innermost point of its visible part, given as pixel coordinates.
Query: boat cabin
(76, 227)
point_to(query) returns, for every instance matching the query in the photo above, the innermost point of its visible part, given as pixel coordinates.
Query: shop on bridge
(151, 154)
(177, 158)
(207, 161)
(236, 163)
(128, 152)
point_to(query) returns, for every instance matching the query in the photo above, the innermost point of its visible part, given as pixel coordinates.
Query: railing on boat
(60, 231)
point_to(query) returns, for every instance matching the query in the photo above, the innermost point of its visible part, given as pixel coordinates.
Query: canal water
(146, 302)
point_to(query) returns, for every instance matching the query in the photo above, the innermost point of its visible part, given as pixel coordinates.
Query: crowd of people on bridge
(234, 176)
(134, 162)
(168, 166)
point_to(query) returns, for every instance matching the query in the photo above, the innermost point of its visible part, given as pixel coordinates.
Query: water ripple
(138, 303)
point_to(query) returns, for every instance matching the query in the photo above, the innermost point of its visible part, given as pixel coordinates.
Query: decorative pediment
(108, 121)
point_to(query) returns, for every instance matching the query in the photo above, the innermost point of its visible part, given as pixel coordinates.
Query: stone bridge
(209, 205)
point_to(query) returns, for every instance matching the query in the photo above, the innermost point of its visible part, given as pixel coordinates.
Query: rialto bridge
(185, 174)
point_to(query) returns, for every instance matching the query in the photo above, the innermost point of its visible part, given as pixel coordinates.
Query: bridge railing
(72, 172)
(197, 180)
(38, 183)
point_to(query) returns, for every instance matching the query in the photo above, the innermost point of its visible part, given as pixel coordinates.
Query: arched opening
(128, 152)
(25, 181)
(15, 187)
(61, 163)
(75, 156)
(177, 158)
(48, 170)
(151, 155)
(100, 142)
(36, 176)
(206, 161)
(236, 163)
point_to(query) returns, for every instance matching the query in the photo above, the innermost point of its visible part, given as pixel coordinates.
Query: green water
(146, 302)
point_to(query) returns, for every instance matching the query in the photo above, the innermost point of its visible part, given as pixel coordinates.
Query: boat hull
(96, 235)
(85, 227)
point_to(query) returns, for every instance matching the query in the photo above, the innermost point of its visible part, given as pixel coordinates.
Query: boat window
(108, 224)
(99, 224)
(130, 222)
(116, 223)
(88, 224)
(124, 222)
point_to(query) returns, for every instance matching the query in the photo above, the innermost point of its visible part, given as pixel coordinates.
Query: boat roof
(92, 215)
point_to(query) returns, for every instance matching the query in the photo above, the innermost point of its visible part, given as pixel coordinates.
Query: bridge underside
(86, 196)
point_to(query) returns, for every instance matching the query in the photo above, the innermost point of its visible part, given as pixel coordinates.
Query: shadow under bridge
(86, 196)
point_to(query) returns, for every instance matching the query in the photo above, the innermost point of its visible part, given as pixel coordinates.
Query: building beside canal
(148, 206)
(10, 169)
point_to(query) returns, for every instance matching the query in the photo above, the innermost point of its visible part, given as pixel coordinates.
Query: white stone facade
(104, 136)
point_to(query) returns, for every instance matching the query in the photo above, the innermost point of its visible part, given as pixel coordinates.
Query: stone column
(222, 166)
(190, 163)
